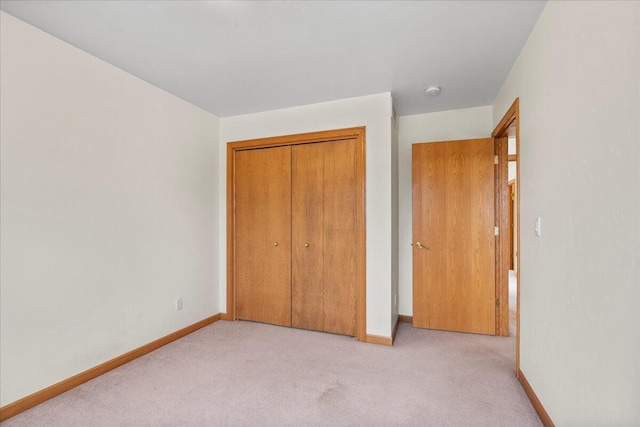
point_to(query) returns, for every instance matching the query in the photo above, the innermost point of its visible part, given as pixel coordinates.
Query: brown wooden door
(453, 236)
(308, 236)
(262, 267)
(340, 243)
(324, 195)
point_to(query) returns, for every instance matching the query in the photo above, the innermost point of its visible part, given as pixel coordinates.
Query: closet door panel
(262, 212)
(307, 236)
(340, 237)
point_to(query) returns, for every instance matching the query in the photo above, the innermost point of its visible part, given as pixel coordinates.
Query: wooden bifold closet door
(263, 235)
(324, 237)
(307, 280)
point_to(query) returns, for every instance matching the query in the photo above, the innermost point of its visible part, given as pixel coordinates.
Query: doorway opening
(513, 228)
(507, 137)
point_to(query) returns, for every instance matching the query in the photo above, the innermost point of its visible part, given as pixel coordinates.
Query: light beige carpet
(250, 374)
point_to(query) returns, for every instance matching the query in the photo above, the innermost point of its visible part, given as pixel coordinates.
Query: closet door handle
(306, 245)
(275, 243)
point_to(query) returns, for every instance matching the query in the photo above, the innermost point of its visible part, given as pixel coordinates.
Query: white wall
(578, 79)
(108, 211)
(372, 111)
(443, 126)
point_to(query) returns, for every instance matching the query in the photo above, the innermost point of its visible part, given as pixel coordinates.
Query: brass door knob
(306, 245)
(275, 243)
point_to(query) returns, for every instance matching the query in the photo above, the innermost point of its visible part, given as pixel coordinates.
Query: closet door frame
(357, 133)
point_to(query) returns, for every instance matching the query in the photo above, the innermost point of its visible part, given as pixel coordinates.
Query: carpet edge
(34, 399)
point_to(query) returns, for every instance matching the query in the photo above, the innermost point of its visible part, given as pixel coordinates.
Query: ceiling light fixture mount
(433, 90)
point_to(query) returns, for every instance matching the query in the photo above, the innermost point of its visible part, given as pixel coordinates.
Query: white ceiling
(233, 58)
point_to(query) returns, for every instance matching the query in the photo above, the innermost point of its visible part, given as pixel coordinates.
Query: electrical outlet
(179, 304)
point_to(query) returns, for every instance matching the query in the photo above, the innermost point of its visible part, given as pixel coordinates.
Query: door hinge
(496, 231)
(497, 302)
(495, 159)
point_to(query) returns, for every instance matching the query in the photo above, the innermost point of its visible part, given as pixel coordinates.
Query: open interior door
(454, 243)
